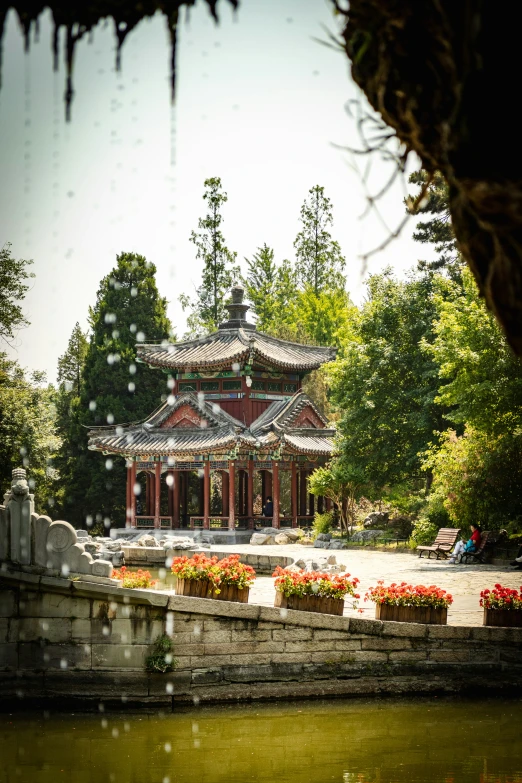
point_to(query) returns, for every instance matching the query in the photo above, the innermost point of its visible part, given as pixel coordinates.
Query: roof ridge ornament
(237, 310)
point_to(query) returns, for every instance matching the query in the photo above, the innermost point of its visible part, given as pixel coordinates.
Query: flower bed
(207, 577)
(313, 591)
(139, 578)
(410, 603)
(502, 606)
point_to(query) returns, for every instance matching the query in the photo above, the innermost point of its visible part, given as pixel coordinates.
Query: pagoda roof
(234, 345)
(187, 425)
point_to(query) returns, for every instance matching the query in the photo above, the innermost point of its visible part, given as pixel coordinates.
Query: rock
(294, 534)
(92, 548)
(259, 539)
(332, 560)
(324, 537)
(294, 569)
(306, 542)
(319, 543)
(301, 564)
(113, 546)
(376, 519)
(270, 531)
(281, 539)
(181, 544)
(203, 538)
(147, 541)
(118, 559)
(337, 545)
(367, 535)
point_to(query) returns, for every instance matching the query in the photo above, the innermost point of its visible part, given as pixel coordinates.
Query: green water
(384, 741)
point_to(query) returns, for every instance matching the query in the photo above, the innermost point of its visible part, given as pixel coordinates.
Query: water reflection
(350, 742)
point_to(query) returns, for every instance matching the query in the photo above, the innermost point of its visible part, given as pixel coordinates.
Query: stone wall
(87, 642)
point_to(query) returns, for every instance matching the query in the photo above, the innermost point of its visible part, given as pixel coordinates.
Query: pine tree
(219, 270)
(114, 389)
(438, 230)
(261, 283)
(319, 261)
(70, 365)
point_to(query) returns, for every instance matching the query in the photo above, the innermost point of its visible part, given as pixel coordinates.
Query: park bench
(479, 556)
(443, 544)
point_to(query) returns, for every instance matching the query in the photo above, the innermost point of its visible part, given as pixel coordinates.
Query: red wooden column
(294, 494)
(225, 494)
(176, 498)
(275, 479)
(206, 495)
(128, 503)
(170, 493)
(133, 494)
(250, 494)
(157, 491)
(241, 493)
(231, 495)
(328, 504)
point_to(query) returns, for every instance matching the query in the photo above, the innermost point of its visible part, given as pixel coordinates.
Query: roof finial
(237, 310)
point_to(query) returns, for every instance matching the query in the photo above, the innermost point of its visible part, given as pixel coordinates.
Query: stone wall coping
(256, 612)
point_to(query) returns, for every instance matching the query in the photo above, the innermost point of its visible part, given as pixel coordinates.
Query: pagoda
(236, 429)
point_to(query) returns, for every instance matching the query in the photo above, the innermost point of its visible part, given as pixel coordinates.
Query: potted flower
(410, 603)
(139, 578)
(207, 577)
(502, 606)
(312, 591)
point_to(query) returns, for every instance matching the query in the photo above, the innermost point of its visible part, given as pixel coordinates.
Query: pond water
(447, 741)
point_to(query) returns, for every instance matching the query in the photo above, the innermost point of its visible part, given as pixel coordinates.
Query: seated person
(464, 547)
(268, 508)
(518, 559)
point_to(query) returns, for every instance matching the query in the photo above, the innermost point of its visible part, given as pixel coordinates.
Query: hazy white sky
(259, 103)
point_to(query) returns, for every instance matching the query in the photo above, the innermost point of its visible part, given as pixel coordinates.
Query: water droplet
(92, 405)
(110, 418)
(168, 747)
(140, 337)
(131, 387)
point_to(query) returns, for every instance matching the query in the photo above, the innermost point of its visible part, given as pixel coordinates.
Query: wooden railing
(147, 522)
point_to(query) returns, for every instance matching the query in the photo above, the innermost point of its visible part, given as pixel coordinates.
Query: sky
(260, 102)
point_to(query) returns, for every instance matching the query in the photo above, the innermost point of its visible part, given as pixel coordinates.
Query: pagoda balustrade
(190, 503)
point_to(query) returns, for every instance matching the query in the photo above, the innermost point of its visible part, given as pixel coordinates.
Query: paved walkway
(464, 582)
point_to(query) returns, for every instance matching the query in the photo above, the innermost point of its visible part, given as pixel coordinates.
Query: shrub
(323, 523)
(162, 658)
(137, 578)
(424, 531)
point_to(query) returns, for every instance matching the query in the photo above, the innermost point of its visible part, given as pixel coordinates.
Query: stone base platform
(226, 537)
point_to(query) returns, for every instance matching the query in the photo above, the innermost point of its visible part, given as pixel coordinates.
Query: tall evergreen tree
(114, 389)
(319, 261)
(71, 363)
(261, 284)
(219, 270)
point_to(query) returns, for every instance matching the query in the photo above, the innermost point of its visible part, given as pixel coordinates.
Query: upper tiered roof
(236, 342)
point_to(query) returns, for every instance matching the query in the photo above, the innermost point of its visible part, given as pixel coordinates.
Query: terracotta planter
(429, 615)
(309, 603)
(506, 618)
(198, 588)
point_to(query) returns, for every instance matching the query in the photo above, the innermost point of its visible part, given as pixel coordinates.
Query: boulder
(301, 564)
(324, 537)
(259, 539)
(294, 569)
(269, 531)
(147, 540)
(336, 544)
(294, 534)
(320, 543)
(367, 535)
(113, 546)
(332, 560)
(118, 559)
(92, 547)
(281, 539)
(377, 519)
(203, 538)
(81, 534)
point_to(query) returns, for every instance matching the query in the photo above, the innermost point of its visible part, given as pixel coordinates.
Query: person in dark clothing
(268, 508)
(518, 559)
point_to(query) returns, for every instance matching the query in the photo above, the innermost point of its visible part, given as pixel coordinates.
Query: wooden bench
(479, 556)
(443, 544)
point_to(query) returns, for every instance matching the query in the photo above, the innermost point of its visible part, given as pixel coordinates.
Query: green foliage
(424, 531)
(71, 363)
(385, 384)
(219, 270)
(342, 482)
(323, 523)
(28, 435)
(162, 657)
(272, 291)
(14, 275)
(115, 389)
(437, 230)
(319, 261)
(326, 318)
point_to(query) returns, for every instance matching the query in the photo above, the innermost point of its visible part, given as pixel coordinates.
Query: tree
(386, 383)
(319, 261)
(114, 388)
(326, 318)
(70, 364)
(342, 482)
(437, 230)
(14, 275)
(219, 271)
(28, 435)
(261, 287)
